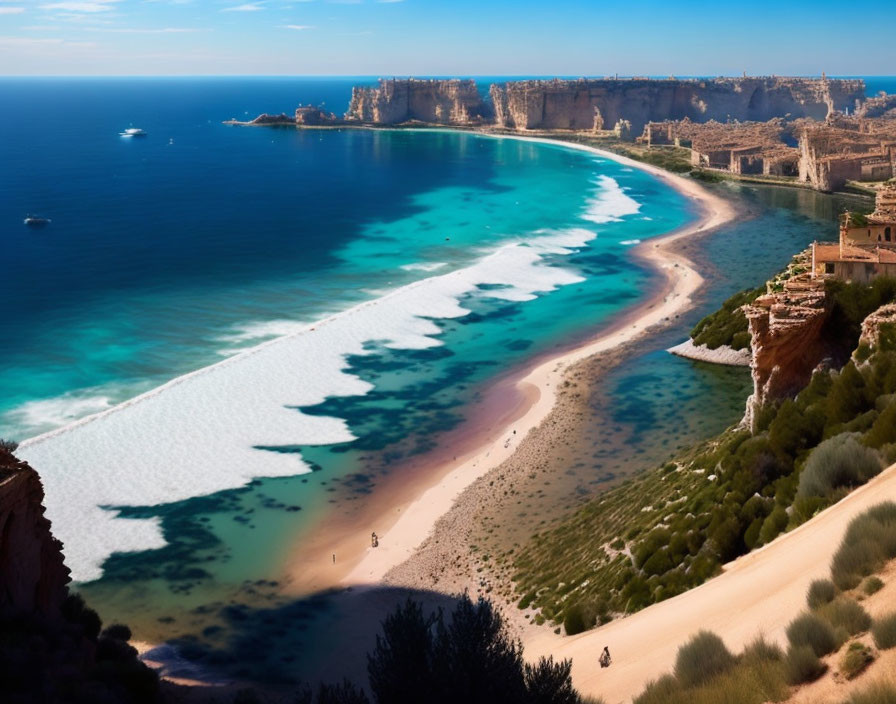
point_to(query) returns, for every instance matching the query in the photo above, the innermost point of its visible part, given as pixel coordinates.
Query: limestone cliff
(587, 104)
(786, 339)
(33, 577)
(394, 101)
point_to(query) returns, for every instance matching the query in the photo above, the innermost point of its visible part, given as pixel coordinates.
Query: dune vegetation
(672, 527)
(824, 636)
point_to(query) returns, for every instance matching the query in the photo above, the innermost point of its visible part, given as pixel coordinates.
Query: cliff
(787, 341)
(33, 577)
(51, 647)
(394, 101)
(591, 104)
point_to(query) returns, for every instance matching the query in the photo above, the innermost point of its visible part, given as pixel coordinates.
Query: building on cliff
(866, 249)
(847, 149)
(396, 101)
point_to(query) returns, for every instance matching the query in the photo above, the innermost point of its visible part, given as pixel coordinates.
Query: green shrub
(659, 691)
(812, 630)
(884, 631)
(701, 658)
(801, 665)
(839, 462)
(760, 650)
(728, 325)
(872, 585)
(821, 592)
(856, 658)
(773, 525)
(847, 614)
(869, 542)
(578, 619)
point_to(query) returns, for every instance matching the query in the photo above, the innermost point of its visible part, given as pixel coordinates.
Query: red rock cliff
(33, 577)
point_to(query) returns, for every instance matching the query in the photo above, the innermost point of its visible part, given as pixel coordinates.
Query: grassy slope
(671, 528)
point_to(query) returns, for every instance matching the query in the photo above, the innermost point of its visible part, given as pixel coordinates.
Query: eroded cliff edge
(33, 577)
(586, 104)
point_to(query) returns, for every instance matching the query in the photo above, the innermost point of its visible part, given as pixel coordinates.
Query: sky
(446, 37)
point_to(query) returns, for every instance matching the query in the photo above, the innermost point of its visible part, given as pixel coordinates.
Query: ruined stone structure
(311, 116)
(33, 577)
(847, 149)
(786, 340)
(589, 104)
(395, 101)
(866, 249)
(881, 105)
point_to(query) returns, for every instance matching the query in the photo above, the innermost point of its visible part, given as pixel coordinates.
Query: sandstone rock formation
(33, 577)
(879, 328)
(395, 101)
(588, 104)
(786, 340)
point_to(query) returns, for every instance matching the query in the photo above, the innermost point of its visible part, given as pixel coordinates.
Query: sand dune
(757, 593)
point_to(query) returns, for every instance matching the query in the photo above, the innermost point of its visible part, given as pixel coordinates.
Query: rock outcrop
(787, 342)
(33, 577)
(879, 329)
(593, 104)
(395, 101)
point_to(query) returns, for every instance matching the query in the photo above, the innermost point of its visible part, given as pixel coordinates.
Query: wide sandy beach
(406, 513)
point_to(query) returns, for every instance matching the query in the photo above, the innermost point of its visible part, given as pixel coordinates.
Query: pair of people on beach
(605, 659)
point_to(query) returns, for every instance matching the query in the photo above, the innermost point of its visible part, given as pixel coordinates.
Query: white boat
(133, 132)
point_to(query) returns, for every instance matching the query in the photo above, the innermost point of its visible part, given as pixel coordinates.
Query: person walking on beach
(374, 540)
(605, 657)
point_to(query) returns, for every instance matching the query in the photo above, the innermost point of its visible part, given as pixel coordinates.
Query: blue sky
(446, 37)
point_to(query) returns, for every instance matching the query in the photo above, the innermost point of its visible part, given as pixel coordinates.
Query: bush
(869, 542)
(728, 325)
(810, 629)
(847, 614)
(8, 445)
(760, 650)
(839, 462)
(884, 631)
(821, 592)
(548, 682)
(702, 657)
(857, 657)
(577, 619)
(801, 665)
(877, 693)
(872, 585)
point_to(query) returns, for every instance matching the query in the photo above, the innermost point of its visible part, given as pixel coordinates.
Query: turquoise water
(168, 254)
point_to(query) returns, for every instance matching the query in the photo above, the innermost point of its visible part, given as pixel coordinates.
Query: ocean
(290, 313)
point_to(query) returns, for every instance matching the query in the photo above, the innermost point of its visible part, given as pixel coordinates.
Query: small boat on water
(133, 132)
(36, 222)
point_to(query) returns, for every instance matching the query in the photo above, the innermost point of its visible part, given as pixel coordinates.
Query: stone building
(867, 246)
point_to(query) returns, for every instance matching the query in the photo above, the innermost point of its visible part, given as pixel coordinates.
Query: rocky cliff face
(33, 577)
(392, 102)
(587, 104)
(786, 339)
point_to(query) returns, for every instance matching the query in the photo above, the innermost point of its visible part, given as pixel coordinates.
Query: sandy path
(757, 593)
(409, 526)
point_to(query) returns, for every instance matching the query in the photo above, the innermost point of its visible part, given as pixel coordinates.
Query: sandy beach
(413, 513)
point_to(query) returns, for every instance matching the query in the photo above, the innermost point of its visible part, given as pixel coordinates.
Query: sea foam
(203, 432)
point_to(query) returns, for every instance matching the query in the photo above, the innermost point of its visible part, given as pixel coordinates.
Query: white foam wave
(627, 242)
(201, 433)
(611, 203)
(424, 266)
(37, 416)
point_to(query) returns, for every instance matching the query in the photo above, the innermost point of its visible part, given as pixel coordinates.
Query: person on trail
(605, 657)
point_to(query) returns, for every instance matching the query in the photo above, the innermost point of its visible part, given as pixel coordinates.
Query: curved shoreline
(408, 521)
